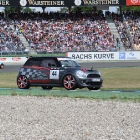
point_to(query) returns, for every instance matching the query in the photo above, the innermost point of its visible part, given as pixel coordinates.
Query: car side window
(48, 63)
(67, 63)
(33, 62)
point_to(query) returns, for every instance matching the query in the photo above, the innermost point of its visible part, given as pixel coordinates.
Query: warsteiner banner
(132, 2)
(61, 3)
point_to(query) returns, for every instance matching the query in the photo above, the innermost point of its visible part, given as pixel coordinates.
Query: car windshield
(69, 63)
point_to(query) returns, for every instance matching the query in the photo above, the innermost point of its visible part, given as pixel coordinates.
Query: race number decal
(54, 74)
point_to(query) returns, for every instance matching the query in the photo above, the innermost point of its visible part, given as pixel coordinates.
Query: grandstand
(132, 21)
(42, 33)
(64, 32)
(9, 41)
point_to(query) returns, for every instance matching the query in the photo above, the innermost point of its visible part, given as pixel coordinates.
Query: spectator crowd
(62, 32)
(132, 20)
(9, 40)
(129, 29)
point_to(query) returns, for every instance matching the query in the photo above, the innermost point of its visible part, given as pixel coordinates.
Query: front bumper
(90, 82)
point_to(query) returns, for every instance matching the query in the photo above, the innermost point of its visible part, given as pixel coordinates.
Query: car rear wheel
(2, 66)
(93, 88)
(23, 82)
(46, 87)
(70, 82)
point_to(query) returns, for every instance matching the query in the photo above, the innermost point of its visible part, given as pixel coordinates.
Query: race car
(1, 65)
(49, 72)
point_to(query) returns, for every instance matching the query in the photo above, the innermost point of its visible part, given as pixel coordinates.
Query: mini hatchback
(49, 72)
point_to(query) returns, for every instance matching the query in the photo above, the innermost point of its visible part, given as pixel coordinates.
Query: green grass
(117, 96)
(121, 78)
(114, 78)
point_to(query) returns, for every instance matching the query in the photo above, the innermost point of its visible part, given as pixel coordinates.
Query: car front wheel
(70, 82)
(93, 88)
(23, 82)
(46, 87)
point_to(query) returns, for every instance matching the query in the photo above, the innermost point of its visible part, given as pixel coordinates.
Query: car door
(51, 69)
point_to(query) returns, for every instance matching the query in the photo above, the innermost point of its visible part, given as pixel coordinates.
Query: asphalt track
(15, 67)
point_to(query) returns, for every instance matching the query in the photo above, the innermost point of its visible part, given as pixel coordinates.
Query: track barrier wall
(97, 56)
(84, 56)
(13, 59)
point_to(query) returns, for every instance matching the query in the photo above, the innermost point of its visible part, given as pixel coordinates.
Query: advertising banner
(13, 59)
(129, 56)
(93, 55)
(104, 55)
(3, 59)
(132, 2)
(99, 2)
(60, 3)
(86, 56)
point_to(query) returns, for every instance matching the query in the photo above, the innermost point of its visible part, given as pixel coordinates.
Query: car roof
(48, 57)
(43, 57)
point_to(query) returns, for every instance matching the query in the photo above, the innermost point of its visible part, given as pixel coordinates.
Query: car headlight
(80, 73)
(99, 73)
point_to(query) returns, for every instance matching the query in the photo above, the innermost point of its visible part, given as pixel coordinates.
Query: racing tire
(69, 82)
(93, 88)
(46, 87)
(23, 82)
(2, 66)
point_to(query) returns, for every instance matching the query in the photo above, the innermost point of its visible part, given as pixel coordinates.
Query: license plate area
(95, 80)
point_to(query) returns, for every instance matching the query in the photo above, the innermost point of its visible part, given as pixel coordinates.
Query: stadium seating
(123, 32)
(62, 32)
(9, 41)
(132, 21)
(59, 32)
